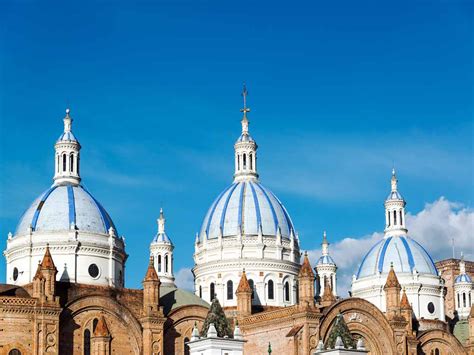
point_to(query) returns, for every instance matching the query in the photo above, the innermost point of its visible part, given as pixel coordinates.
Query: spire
(462, 265)
(47, 262)
(66, 161)
(101, 329)
(245, 148)
(151, 274)
(392, 280)
(404, 303)
(325, 245)
(306, 269)
(244, 285)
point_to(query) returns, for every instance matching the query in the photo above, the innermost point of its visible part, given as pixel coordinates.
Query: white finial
(10, 235)
(195, 333)
(360, 344)
(67, 111)
(325, 245)
(394, 180)
(244, 110)
(211, 332)
(320, 345)
(339, 343)
(67, 121)
(237, 332)
(462, 265)
(161, 222)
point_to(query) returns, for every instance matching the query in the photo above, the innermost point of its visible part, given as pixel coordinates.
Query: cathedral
(255, 291)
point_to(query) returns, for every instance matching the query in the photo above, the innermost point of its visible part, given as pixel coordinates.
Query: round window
(431, 307)
(15, 274)
(93, 270)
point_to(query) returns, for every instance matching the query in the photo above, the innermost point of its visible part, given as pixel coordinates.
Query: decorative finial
(244, 110)
(67, 111)
(67, 121)
(394, 180)
(161, 222)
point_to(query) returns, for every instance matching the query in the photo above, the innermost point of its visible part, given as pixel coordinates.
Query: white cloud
(434, 227)
(184, 279)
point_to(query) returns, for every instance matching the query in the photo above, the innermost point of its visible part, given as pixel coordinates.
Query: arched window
(245, 161)
(166, 263)
(94, 324)
(464, 299)
(252, 287)
(200, 291)
(230, 290)
(186, 347)
(71, 163)
(401, 218)
(388, 218)
(459, 302)
(64, 162)
(58, 163)
(87, 342)
(394, 218)
(212, 291)
(286, 291)
(270, 290)
(77, 162)
(238, 162)
(14, 352)
(159, 263)
(250, 161)
(436, 351)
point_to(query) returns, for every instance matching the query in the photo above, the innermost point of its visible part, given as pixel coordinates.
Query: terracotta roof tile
(244, 285)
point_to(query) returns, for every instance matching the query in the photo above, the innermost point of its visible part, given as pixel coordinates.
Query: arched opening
(252, 288)
(230, 290)
(57, 163)
(186, 347)
(77, 162)
(87, 342)
(64, 162)
(250, 161)
(459, 302)
(401, 217)
(159, 263)
(71, 163)
(94, 324)
(394, 218)
(14, 352)
(271, 291)
(212, 291)
(245, 161)
(166, 263)
(200, 291)
(464, 299)
(470, 301)
(388, 213)
(286, 291)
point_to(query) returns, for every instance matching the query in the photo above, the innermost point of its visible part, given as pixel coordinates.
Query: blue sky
(338, 91)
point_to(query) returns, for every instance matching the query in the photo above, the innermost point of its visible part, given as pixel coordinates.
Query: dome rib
(275, 218)
(34, 221)
(72, 205)
(213, 208)
(226, 204)
(257, 206)
(382, 254)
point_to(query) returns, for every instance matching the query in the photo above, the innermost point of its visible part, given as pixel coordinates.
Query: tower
(392, 294)
(306, 283)
(67, 157)
(326, 269)
(395, 210)
(245, 149)
(463, 291)
(161, 249)
(244, 297)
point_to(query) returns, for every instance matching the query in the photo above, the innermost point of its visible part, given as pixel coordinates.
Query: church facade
(65, 290)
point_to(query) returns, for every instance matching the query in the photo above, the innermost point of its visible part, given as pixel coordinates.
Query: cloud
(184, 279)
(434, 227)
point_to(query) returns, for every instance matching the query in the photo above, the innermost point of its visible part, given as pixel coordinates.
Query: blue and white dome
(404, 252)
(463, 278)
(61, 206)
(325, 260)
(244, 207)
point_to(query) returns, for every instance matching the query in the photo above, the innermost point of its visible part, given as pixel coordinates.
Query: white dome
(404, 252)
(245, 207)
(61, 206)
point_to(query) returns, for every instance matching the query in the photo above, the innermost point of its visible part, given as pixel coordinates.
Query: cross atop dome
(244, 110)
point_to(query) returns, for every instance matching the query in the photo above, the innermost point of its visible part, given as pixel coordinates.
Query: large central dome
(246, 208)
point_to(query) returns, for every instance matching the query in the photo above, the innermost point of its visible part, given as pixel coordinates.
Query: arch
(445, 342)
(271, 290)
(71, 162)
(401, 217)
(87, 342)
(252, 286)
(230, 290)
(166, 263)
(464, 299)
(244, 161)
(389, 218)
(64, 162)
(58, 163)
(106, 305)
(286, 291)
(159, 263)
(364, 320)
(14, 352)
(212, 291)
(459, 303)
(394, 218)
(250, 161)
(238, 161)
(200, 291)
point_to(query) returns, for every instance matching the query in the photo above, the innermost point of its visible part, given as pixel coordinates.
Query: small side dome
(404, 252)
(63, 206)
(464, 278)
(326, 259)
